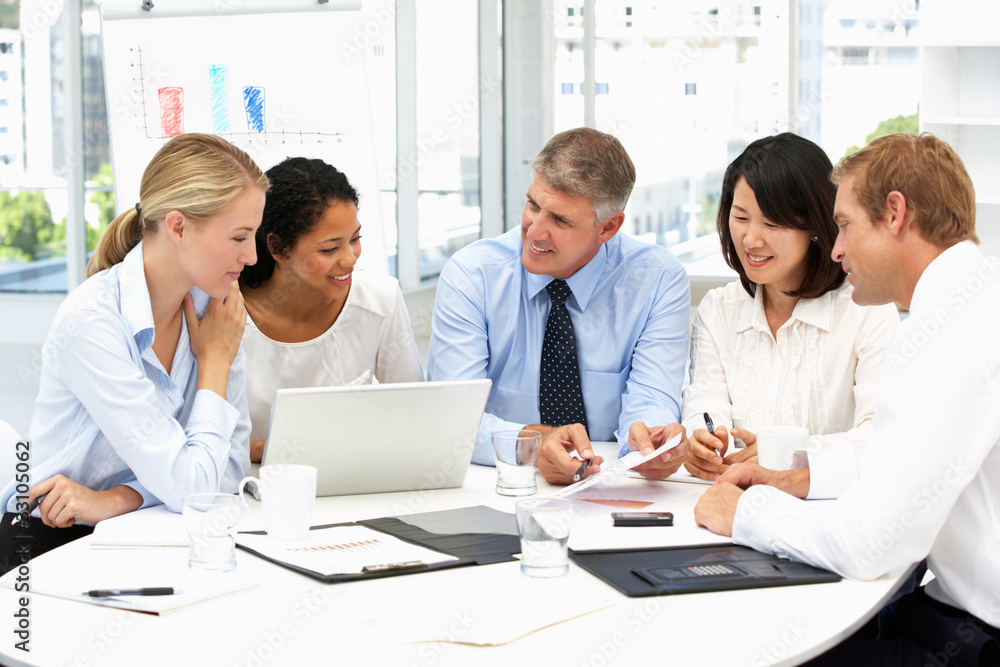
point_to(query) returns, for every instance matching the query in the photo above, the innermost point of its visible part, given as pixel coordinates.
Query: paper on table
(618, 468)
(150, 527)
(193, 586)
(681, 475)
(480, 606)
(614, 489)
(341, 550)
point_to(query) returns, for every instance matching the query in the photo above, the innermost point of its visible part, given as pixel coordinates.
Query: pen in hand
(27, 513)
(711, 429)
(582, 469)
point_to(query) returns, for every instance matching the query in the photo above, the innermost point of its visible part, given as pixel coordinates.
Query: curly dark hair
(301, 190)
(790, 177)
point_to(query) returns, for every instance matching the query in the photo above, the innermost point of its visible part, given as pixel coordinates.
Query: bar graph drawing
(217, 84)
(253, 102)
(272, 82)
(171, 109)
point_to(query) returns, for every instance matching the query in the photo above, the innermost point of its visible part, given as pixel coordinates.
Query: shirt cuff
(483, 453)
(831, 471)
(758, 513)
(213, 414)
(148, 499)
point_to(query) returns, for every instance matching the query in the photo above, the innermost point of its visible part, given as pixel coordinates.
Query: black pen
(27, 513)
(711, 429)
(115, 592)
(582, 469)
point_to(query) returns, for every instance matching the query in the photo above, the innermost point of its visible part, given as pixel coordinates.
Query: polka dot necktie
(560, 397)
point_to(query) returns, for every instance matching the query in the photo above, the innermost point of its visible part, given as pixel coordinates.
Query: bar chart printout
(341, 550)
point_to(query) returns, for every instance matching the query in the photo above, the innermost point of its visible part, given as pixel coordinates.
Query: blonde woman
(142, 395)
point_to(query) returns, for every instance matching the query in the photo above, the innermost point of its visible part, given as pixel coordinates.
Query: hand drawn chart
(275, 84)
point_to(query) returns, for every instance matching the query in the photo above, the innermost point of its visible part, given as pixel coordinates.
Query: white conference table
(291, 619)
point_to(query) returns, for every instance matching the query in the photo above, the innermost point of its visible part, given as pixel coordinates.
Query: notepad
(344, 550)
(151, 527)
(193, 586)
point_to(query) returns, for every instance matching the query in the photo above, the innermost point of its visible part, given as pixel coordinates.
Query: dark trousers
(20, 542)
(919, 631)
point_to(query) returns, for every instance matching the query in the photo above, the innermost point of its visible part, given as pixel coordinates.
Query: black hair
(790, 177)
(301, 191)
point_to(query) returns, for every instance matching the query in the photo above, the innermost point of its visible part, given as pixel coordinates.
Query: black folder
(470, 548)
(673, 571)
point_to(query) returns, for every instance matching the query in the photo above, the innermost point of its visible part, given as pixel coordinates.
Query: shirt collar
(817, 312)
(136, 308)
(944, 272)
(583, 282)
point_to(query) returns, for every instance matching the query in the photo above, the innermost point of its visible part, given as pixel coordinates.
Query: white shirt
(820, 372)
(371, 337)
(929, 481)
(109, 414)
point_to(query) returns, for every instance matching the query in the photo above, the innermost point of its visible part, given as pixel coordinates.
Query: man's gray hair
(587, 163)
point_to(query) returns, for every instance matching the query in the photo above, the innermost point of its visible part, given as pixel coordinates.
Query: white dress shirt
(929, 481)
(821, 371)
(372, 337)
(109, 414)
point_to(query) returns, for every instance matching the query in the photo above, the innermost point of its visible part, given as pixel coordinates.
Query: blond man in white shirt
(927, 483)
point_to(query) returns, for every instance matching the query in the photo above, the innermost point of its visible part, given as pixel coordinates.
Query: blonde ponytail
(196, 174)
(123, 234)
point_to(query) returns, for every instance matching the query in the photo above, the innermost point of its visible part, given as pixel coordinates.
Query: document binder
(454, 538)
(678, 570)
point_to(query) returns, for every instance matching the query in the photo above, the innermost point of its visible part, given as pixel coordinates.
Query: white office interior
(463, 94)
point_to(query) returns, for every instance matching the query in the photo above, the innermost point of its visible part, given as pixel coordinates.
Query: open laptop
(378, 438)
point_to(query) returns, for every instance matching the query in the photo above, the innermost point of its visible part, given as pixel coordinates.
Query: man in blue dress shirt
(629, 303)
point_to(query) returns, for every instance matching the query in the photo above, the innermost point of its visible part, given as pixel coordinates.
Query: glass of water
(515, 453)
(543, 524)
(210, 520)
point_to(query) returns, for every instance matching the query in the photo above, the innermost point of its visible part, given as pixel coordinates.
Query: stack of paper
(151, 527)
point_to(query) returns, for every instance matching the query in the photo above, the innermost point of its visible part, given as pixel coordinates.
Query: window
(448, 97)
(697, 82)
(445, 158)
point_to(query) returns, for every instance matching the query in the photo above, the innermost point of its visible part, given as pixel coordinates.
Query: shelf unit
(960, 100)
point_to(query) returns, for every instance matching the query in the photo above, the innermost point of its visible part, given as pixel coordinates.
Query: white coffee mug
(287, 493)
(777, 444)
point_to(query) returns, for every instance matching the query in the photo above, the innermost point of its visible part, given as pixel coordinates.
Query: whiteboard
(276, 83)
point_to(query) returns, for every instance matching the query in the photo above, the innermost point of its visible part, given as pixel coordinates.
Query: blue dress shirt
(109, 414)
(630, 308)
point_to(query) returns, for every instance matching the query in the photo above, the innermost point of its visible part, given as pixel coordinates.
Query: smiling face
(323, 259)
(222, 245)
(772, 256)
(863, 249)
(558, 233)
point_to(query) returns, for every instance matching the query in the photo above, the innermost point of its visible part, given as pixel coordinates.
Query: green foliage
(706, 217)
(907, 124)
(26, 229)
(105, 203)
(10, 15)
